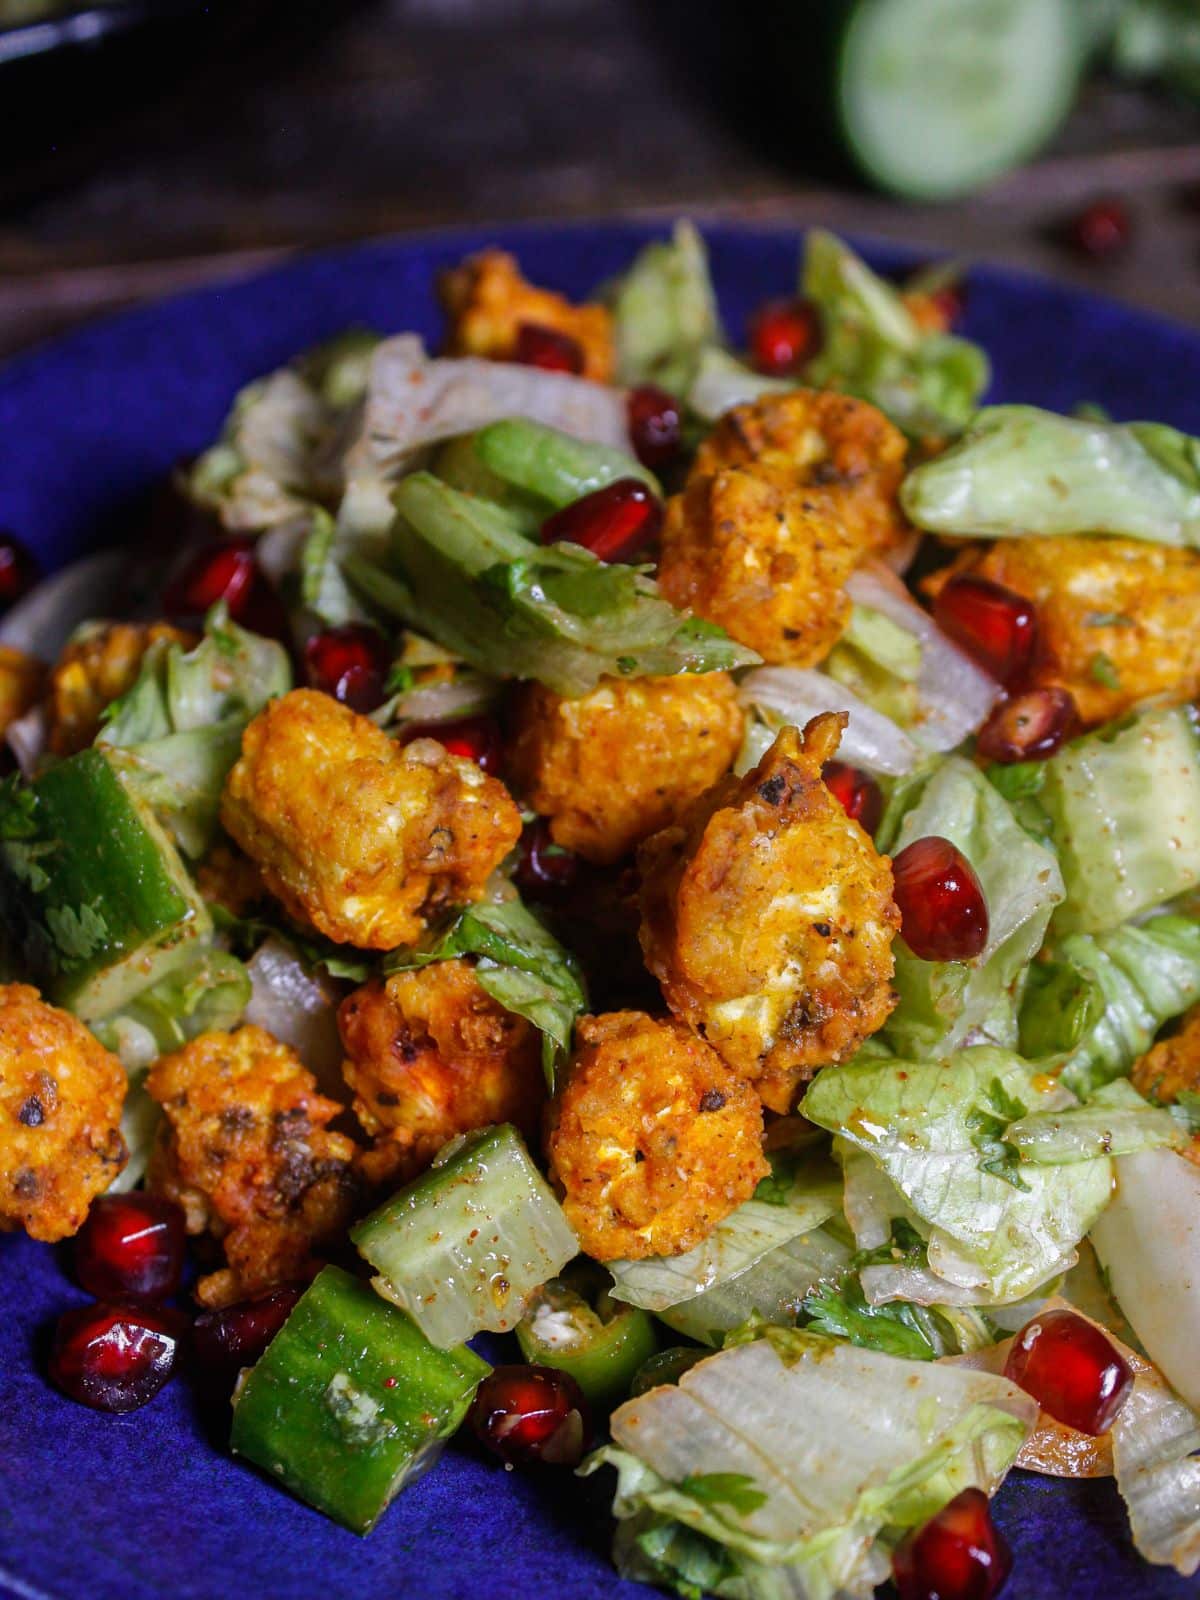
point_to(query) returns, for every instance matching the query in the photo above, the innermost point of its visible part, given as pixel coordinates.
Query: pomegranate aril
(474, 738)
(19, 571)
(1101, 229)
(655, 425)
(1029, 727)
(350, 663)
(132, 1247)
(994, 625)
(1071, 1370)
(544, 869)
(228, 571)
(784, 334)
(614, 523)
(943, 912)
(859, 795)
(531, 1416)
(539, 346)
(114, 1357)
(235, 1336)
(959, 1554)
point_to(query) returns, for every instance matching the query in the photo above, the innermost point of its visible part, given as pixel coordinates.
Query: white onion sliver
(26, 738)
(871, 740)
(955, 696)
(300, 1009)
(43, 622)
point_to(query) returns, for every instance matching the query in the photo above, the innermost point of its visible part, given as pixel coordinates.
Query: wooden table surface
(372, 117)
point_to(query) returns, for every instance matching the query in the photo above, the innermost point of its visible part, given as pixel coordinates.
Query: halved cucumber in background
(935, 97)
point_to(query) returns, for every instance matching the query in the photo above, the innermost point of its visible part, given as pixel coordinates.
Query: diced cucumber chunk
(1125, 809)
(92, 888)
(350, 1401)
(465, 1246)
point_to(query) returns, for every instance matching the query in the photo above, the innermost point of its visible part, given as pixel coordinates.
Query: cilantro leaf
(990, 1122)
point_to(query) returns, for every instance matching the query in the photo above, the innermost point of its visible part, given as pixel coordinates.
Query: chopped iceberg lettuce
(722, 382)
(1156, 1462)
(1115, 1122)
(1019, 473)
(665, 312)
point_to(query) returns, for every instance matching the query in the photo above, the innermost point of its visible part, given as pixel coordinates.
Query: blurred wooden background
(311, 124)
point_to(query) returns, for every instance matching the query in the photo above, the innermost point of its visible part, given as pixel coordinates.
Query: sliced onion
(924, 1288)
(300, 1009)
(955, 696)
(43, 622)
(465, 696)
(26, 738)
(871, 740)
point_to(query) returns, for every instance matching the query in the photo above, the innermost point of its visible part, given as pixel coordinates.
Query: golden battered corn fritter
(616, 765)
(1172, 1067)
(767, 915)
(429, 1054)
(243, 1147)
(486, 300)
(360, 837)
(61, 1095)
(98, 666)
(652, 1139)
(1118, 619)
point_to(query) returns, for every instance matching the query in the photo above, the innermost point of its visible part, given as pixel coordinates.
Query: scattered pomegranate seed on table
(19, 571)
(132, 1247)
(859, 795)
(539, 346)
(1029, 727)
(227, 570)
(475, 738)
(959, 1554)
(544, 869)
(995, 626)
(943, 912)
(655, 425)
(114, 1357)
(1101, 229)
(784, 334)
(1071, 1370)
(350, 663)
(614, 523)
(235, 1336)
(531, 1416)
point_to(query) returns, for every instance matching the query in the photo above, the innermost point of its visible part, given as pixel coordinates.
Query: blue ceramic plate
(147, 1506)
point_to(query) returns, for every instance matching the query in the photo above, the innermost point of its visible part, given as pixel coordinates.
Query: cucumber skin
(290, 1413)
(111, 855)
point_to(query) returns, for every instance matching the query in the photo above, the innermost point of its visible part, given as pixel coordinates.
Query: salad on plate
(642, 899)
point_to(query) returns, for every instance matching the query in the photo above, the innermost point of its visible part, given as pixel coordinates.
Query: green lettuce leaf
(323, 586)
(1020, 472)
(997, 1224)
(210, 991)
(520, 963)
(1117, 1121)
(665, 312)
(942, 1002)
(872, 347)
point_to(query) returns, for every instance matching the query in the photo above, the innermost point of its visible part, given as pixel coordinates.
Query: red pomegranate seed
(544, 869)
(860, 796)
(114, 1357)
(655, 425)
(1029, 727)
(1101, 229)
(994, 625)
(131, 1247)
(235, 1336)
(614, 523)
(19, 571)
(1071, 1370)
(227, 571)
(531, 1416)
(350, 663)
(951, 301)
(784, 334)
(539, 346)
(474, 738)
(958, 1555)
(943, 913)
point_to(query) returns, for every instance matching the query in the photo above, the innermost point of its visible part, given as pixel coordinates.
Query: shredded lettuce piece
(835, 1452)
(1020, 472)
(1116, 1122)
(514, 609)
(520, 963)
(211, 990)
(178, 730)
(722, 381)
(873, 347)
(1156, 1462)
(323, 586)
(942, 1002)
(665, 312)
(938, 1130)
